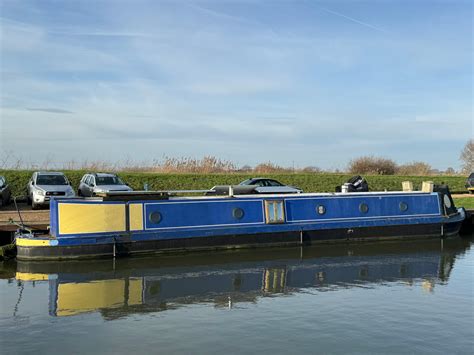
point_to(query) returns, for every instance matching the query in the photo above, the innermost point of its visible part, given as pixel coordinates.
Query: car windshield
(246, 182)
(51, 180)
(108, 180)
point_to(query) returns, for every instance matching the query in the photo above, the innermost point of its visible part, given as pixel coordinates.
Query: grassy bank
(309, 182)
(466, 202)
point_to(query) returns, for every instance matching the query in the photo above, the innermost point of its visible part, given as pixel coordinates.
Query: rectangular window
(274, 211)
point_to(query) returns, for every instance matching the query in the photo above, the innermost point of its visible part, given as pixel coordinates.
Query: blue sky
(294, 82)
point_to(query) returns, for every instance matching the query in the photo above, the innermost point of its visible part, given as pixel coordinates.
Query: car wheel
(34, 206)
(1, 202)
(79, 193)
(471, 192)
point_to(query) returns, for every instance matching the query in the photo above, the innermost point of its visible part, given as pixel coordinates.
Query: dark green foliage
(308, 182)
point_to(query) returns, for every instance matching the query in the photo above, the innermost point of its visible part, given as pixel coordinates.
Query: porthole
(238, 213)
(155, 217)
(403, 206)
(321, 209)
(364, 208)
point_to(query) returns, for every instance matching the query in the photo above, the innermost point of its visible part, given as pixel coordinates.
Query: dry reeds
(209, 164)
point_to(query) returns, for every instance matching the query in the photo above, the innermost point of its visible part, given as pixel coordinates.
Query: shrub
(416, 168)
(372, 165)
(311, 169)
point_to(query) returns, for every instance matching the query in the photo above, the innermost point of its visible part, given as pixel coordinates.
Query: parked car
(264, 185)
(470, 183)
(44, 185)
(5, 192)
(94, 183)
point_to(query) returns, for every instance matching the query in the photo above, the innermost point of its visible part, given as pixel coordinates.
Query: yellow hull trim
(31, 242)
(28, 276)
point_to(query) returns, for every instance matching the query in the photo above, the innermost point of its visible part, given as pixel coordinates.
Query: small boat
(119, 224)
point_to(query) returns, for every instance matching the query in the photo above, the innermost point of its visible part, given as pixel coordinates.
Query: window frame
(275, 211)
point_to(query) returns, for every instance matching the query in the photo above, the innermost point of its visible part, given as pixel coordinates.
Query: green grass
(466, 202)
(306, 181)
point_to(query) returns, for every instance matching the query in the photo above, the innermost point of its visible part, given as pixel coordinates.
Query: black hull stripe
(236, 241)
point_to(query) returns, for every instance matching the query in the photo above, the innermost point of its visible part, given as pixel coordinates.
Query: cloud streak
(49, 110)
(352, 19)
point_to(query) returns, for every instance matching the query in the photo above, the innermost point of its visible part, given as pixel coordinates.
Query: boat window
(321, 209)
(403, 206)
(363, 207)
(274, 211)
(238, 213)
(155, 217)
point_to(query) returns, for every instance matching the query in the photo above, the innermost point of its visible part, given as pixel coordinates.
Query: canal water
(390, 298)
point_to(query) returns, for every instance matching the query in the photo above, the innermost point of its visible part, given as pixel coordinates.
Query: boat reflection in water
(117, 288)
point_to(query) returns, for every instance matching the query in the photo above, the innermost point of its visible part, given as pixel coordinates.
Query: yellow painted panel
(30, 242)
(78, 218)
(28, 276)
(76, 298)
(135, 289)
(136, 216)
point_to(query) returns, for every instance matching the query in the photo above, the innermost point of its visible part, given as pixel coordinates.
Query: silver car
(44, 185)
(266, 186)
(94, 183)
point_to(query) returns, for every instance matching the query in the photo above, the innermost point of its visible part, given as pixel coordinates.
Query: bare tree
(467, 157)
(450, 171)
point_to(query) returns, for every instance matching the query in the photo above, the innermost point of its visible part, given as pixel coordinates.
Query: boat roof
(174, 195)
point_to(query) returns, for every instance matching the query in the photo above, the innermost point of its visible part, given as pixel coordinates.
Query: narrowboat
(119, 224)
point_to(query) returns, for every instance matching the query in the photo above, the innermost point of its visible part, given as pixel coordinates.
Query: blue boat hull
(88, 229)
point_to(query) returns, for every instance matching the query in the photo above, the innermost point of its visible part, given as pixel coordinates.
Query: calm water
(411, 297)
